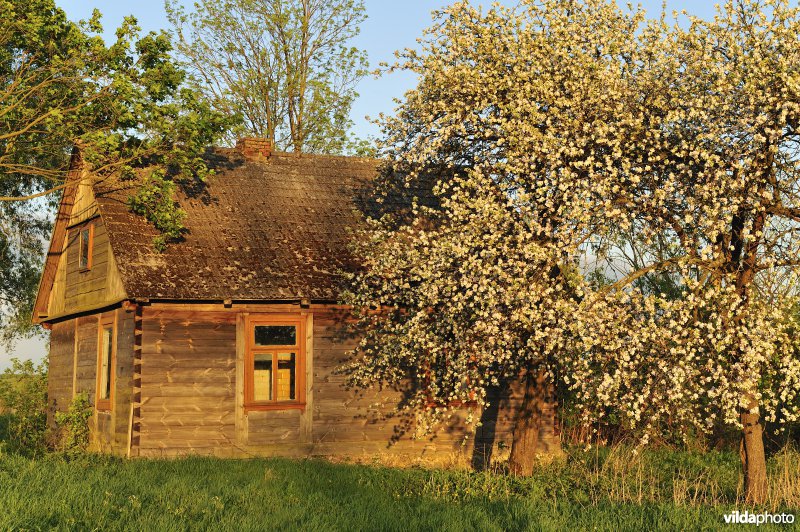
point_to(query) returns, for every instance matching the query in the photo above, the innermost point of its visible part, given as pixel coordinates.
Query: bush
(73, 426)
(23, 407)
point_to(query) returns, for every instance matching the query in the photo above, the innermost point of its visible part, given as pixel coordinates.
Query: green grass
(204, 493)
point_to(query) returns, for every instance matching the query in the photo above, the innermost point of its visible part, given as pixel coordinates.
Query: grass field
(593, 491)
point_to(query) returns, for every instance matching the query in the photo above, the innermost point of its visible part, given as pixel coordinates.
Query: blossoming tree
(555, 124)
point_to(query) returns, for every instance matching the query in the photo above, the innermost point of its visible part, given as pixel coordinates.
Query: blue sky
(391, 25)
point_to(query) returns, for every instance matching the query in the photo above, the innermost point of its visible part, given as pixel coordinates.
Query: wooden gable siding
(74, 290)
(97, 286)
(55, 304)
(55, 251)
(83, 288)
(73, 370)
(85, 204)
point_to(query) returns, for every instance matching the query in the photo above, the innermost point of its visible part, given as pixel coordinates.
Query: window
(274, 362)
(86, 235)
(106, 355)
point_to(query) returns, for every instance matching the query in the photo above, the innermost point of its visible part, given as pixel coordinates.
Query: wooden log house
(226, 342)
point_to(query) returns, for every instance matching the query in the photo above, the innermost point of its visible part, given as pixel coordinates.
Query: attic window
(274, 364)
(86, 238)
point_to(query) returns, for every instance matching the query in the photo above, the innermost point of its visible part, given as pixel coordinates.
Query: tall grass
(600, 489)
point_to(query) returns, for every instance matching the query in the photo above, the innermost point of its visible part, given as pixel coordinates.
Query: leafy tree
(284, 67)
(23, 402)
(125, 105)
(559, 123)
(477, 292)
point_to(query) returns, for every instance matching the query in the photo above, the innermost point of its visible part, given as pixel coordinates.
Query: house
(226, 342)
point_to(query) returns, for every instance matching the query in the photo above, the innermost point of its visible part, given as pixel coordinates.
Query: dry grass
(694, 480)
(784, 479)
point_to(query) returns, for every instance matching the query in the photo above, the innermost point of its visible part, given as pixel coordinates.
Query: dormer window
(85, 247)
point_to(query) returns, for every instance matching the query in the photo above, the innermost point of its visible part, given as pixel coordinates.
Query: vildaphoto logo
(746, 518)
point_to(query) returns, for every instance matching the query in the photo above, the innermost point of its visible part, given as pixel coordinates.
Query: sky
(391, 25)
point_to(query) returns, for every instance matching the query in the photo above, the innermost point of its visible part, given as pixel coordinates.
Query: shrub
(23, 405)
(73, 426)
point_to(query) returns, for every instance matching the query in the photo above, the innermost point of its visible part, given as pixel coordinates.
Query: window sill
(274, 406)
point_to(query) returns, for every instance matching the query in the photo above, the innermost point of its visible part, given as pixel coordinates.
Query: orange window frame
(103, 323)
(90, 246)
(251, 349)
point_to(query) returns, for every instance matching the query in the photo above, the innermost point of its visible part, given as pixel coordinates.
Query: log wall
(60, 367)
(192, 397)
(187, 382)
(73, 370)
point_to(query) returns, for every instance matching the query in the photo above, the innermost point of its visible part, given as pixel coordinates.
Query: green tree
(284, 67)
(124, 104)
(23, 404)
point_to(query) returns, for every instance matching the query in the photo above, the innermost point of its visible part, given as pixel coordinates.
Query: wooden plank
(181, 376)
(307, 417)
(170, 447)
(155, 314)
(200, 403)
(88, 289)
(55, 304)
(201, 418)
(75, 359)
(193, 390)
(130, 432)
(240, 420)
(221, 433)
(85, 205)
(179, 348)
(282, 436)
(158, 363)
(187, 380)
(86, 365)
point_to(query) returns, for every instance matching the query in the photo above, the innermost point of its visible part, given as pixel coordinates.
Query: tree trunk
(754, 462)
(535, 429)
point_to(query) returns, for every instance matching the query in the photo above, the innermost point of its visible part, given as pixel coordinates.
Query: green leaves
(23, 402)
(125, 104)
(155, 201)
(282, 68)
(73, 426)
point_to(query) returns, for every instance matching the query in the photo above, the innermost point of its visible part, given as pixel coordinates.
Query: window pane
(275, 335)
(262, 377)
(286, 376)
(83, 259)
(105, 364)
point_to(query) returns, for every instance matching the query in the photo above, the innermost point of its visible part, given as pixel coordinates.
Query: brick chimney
(254, 148)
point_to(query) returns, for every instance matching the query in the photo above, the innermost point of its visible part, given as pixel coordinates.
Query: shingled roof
(270, 229)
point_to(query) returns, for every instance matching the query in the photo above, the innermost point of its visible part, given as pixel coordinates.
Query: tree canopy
(125, 105)
(555, 127)
(285, 68)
